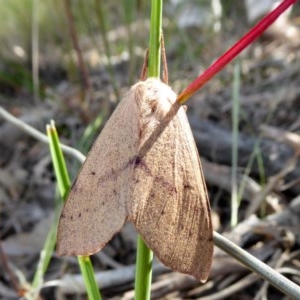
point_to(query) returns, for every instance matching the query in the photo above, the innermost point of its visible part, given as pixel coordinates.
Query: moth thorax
(154, 101)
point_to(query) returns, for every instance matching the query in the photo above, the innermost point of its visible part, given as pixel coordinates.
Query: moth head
(153, 99)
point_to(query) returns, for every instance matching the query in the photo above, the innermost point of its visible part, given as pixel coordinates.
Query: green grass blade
(63, 186)
(154, 41)
(46, 254)
(59, 165)
(88, 274)
(63, 181)
(89, 133)
(143, 275)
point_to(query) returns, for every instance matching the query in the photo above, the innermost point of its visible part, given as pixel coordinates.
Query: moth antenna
(165, 74)
(145, 66)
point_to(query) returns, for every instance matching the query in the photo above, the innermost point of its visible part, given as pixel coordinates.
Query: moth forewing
(96, 209)
(144, 166)
(169, 199)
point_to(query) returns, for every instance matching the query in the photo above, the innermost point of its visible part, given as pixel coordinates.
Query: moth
(144, 167)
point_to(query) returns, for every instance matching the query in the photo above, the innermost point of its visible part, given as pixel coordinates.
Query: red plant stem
(230, 54)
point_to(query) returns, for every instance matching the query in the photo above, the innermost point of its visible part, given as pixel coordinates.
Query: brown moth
(144, 167)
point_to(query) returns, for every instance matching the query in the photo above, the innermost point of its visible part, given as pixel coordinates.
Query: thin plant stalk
(35, 50)
(235, 133)
(73, 33)
(102, 20)
(128, 8)
(45, 257)
(155, 38)
(90, 132)
(63, 181)
(144, 259)
(283, 284)
(63, 186)
(236, 49)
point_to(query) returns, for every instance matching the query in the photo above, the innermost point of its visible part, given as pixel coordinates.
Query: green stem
(143, 273)
(45, 257)
(154, 40)
(143, 276)
(88, 274)
(63, 180)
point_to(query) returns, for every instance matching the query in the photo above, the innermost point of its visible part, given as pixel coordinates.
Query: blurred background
(74, 60)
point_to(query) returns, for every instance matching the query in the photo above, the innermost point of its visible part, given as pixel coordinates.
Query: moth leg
(165, 74)
(145, 66)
